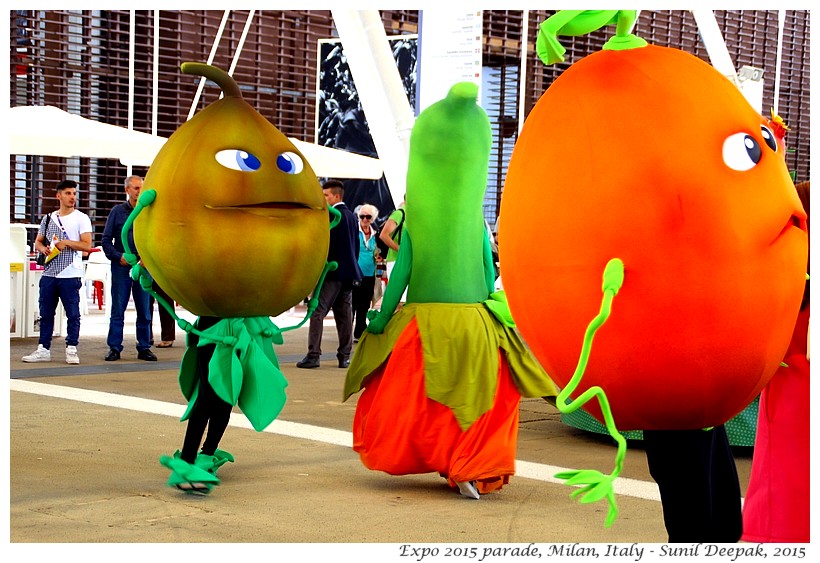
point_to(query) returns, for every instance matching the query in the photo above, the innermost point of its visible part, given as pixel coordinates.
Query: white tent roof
(50, 131)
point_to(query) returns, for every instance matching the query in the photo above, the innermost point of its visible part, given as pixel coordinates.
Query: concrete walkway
(85, 441)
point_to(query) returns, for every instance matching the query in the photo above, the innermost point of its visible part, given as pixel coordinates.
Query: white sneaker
(71, 355)
(41, 354)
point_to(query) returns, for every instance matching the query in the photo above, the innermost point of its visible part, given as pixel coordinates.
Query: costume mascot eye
(693, 209)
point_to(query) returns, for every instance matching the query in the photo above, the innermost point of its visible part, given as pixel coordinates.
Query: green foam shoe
(212, 463)
(188, 478)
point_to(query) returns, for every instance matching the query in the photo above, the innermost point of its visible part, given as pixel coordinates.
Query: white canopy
(50, 131)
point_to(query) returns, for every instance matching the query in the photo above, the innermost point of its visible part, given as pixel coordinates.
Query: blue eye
(236, 159)
(290, 163)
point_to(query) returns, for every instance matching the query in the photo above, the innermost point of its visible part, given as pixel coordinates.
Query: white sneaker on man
(71, 355)
(41, 354)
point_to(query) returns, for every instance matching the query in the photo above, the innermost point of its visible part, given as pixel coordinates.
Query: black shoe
(308, 363)
(146, 355)
(112, 356)
(344, 363)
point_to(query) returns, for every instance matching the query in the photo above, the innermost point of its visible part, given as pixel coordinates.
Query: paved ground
(85, 441)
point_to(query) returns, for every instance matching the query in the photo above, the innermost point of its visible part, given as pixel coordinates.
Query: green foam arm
(313, 302)
(396, 285)
(146, 198)
(139, 273)
(547, 46)
(336, 216)
(596, 485)
(489, 270)
(580, 22)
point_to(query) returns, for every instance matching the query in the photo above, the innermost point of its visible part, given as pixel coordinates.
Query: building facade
(122, 67)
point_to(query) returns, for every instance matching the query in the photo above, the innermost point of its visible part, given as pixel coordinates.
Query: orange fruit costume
(650, 156)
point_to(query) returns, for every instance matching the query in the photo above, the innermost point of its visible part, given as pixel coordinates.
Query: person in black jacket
(337, 291)
(123, 287)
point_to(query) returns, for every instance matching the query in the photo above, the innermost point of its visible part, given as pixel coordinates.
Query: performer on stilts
(442, 377)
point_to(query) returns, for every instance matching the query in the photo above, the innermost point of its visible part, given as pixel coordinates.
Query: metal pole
(380, 89)
(131, 49)
(522, 74)
(241, 42)
(155, 81)
(202, 80)
(715, 44)
(781, 24)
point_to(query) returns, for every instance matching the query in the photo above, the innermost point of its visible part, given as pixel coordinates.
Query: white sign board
(750, 82)
(449, 52)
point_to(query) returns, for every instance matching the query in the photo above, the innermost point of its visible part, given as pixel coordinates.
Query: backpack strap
(396, 234)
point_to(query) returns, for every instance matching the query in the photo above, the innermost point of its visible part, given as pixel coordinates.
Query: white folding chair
(98, 269)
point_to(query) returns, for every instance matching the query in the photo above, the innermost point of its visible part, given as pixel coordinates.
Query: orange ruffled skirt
(399, 430)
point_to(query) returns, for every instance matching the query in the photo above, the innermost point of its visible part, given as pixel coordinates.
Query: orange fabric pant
(398, 430)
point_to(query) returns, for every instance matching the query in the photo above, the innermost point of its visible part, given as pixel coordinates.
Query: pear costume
(225, 173)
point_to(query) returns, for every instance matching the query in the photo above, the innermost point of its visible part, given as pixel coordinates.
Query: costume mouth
(794, 222)
(267, 209)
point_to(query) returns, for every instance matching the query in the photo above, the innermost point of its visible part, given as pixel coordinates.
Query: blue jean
(122, 289)
(66, 290)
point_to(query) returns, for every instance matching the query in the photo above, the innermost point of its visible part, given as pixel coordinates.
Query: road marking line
(626, 487)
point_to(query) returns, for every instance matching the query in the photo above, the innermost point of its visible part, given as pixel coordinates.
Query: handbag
(41, 258)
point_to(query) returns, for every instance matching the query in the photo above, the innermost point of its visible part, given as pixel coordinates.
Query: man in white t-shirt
(69, 231)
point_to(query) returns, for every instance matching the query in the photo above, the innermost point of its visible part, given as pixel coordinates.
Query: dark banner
(341, 120)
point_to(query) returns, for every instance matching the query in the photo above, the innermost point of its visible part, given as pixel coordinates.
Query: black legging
(697, 478)
(362, 297)
(209, 410)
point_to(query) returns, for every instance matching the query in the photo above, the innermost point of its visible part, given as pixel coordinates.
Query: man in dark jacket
(123, 287)
(337, 291)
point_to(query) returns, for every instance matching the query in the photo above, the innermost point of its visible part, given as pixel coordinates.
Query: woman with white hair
(363, 293)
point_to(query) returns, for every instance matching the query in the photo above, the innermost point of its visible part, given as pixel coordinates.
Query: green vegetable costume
(472, 364)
